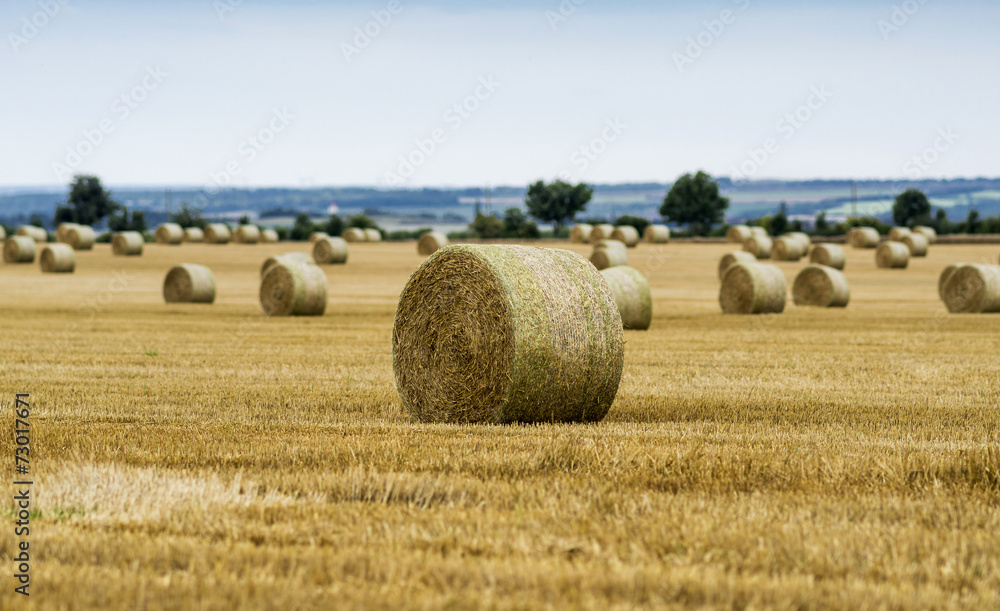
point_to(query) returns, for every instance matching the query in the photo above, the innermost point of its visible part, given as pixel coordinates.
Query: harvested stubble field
(195, 456)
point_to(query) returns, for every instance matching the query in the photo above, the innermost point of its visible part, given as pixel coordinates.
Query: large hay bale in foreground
(917, 244)
(373, 235)
(753, 288)
(194, 235)
(499, 334)
(217, 233)
(81, 237)
(293, 289)
(821, 286)
(316, 235)
(896, 234)
(269, 236)
(627, 235)
(973, 288)
(928, 232)
(330, 251)
(61, 230)
(738, 234)
(580, 233)
(431, 242)
(189, 283)
(731, 258)
(787, 248)
(353, 234)
(19, 249)
(58, 259)
(945, 275)
(656, 234)
(246, 234)
(609, 253)
(863, 237)
(169, 233)
(830, 255)
(38, 234)
(632, 296)
(759, 246)
(602, 231)
(288, 258)
(127, 244)
(892, 255)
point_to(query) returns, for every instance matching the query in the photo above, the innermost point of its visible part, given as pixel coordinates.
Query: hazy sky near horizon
(265, 93)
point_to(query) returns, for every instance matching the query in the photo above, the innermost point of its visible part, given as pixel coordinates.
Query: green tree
(779, 222)
(638, 222)
(821, 223)
(188, 217)
(36, 220)
(362, 221)
(302, 228)
(694, 201)
(487, 227)
(87, 203)
(128, 221)
(911, 207)
(972, 221)
(517, 225)
(557, 202)
(334, 225)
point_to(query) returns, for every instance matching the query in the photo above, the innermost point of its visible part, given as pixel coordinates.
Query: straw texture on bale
(601, 232)
(632, 296)
(169, 233)
(945, 275)
(217, 233)
(656, 234)
(194, 235)
(627, 235)
(288, 258)
(580, 233)
(246, 234)
(373, 235)
(830, 255)
(896, 234)
(81, 237)
(127, 243)
(731, 258)
(500, 334)
(269, 236)
(37, 234)
(58, 259)
(353, 234)
(61, 231)
(821, 286)
(431, 242)
(928, 232)
(759, 231)
(973, 288)
(917, 244)
(609, 253)
(802, 237)
(293, 290)
(189, 283)
(863, 237)
(892, 255)
(330, 251)
(317, 235)
(738, 234)
(787, 248)
(753, 288)
(19, 249)
(759, 246)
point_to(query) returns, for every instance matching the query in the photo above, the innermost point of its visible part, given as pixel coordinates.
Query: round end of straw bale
(973, 289)
(330, 251)
(293, 289)
(830, 255)
(892, 255)
(189, 283)
(19, 249)
(58, 259)
(580, 233)
(821, 286)
(753, 288)
(731, 258)
(431, 242)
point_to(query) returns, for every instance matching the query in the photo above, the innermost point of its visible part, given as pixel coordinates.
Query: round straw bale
(787, 248)
(3, 233)
(288, 258)
(759, 246)
(656, 234)
(353, 234)
(609, 253)
(819, 285)
(927, 232)
(189, 283)
(373, 235)
(602, 231)
(169, 233)
(945, 275)
(731, 258)
(293, 289)
(431, 242)
(127, 243)
(753, 288)
(626, 234)
(917, 244)
(217, 233)
(499, 334)
(804, 238)
(61, 232)
(896, 234)
(81, 237)
(973, 288)
(58, 258)
(328, 251)
(892, 255)
(830, 255)
(194, 235)
(37, 234)
(759, 231)
(269, 236)
(19, 249)
(246, 234)
(738, 234)
(632, 296)
(317, 235)
(580, 233)
(863, 237)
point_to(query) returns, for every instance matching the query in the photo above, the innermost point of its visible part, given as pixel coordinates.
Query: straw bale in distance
(928, 232)
(217, 233)
(602, 231)
(317, 235)
(945, 275)
(830, 255)
(3, 233)
(738, 234)
(127, 243)
(189, 283)
(916, 243)
(759, 246)
(656, 234)
(627, 235)
(787, 248)
(499, 334)
(353, 234)
(61, 232)
(863, 237)
(731, 258)
(194, 235)
(896, 234)
(580, 233)
(609, 253)
(804, 238)
(632, 296)
(821, 286)
(37, 234)
(431, 242)
(288, 258)
(373, 235)
(973, 288)
(58, 259)
(269, 236)
(892, 255)
(81, 237)
(330, 251)
(246, 234)
(293, 289)
(169, 233)
(759, 231)
(19, 249)
(753, 288)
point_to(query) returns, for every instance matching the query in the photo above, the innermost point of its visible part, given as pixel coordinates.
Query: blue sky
(258, 93)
